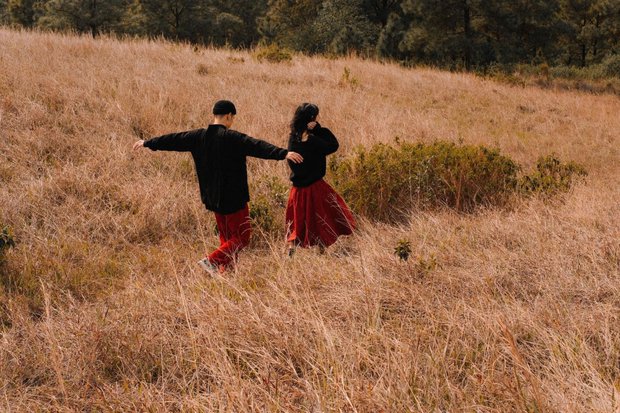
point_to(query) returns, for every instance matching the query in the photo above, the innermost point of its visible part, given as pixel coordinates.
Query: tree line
(456, 34)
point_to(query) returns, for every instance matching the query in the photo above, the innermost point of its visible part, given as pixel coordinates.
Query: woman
(316, 214)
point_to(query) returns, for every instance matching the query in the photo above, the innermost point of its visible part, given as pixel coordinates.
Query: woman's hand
(294, 157)
(311, 125)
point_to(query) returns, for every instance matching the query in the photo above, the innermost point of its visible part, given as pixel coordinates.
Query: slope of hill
(104, 309)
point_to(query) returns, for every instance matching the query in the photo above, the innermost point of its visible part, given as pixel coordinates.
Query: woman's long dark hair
(304, 114)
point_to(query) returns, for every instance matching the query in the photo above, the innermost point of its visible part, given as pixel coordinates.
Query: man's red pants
(235, 231)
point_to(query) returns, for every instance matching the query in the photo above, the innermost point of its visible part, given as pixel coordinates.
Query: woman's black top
(320, 143)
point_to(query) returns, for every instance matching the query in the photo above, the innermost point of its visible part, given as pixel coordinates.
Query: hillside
(104, 309)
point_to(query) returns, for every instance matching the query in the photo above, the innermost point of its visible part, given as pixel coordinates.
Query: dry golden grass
(104, 308)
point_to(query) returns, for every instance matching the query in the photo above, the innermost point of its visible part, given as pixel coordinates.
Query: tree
(4, 14)
(236, 21)
(591, 30)
(88, 16)
(440, 31)
(472, 33)
(522, 30)
(23, 12)
(289, 23)
(379, 11)
(342, 26)
(177, 19)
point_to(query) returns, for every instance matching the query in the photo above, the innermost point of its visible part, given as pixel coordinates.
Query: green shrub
(385, 182)
(571, 73)
(202, 69)
(7, 241)
(347, 79)
(267, 208)
(403, 249)
(602, 77)
(278, 191)
(551, 176)
(262, 216)
(610, 66)
(273, 54)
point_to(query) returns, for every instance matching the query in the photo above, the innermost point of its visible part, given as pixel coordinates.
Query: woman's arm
(325, 140)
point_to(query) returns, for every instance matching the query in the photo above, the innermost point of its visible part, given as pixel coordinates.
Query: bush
(273, 54)
(262, 216)
(551, 176)
(202, 69)
(610, 66)
(403, 249)
(267, 207)
(6, 241)
(385, 182)
(347, 79)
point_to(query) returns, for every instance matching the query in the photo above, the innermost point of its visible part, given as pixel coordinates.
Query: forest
(471, 35)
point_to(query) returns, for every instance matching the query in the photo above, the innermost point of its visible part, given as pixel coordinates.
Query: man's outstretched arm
(181, 141)
(262, 149)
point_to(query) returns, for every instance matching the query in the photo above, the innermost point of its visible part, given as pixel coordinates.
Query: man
(220, 158)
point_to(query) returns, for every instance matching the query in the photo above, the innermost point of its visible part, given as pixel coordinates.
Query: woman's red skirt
(317, 215)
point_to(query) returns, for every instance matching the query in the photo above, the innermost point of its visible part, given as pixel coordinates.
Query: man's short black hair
(224, 107)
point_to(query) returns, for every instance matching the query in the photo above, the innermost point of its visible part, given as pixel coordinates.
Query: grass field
(104, 309)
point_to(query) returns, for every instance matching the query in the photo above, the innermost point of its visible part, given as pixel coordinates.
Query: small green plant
(7, 240)
(267, 208)
(235, 59)
(426, 265)
(202, 69)
(272, 54)
(551, 176)
(278, 191)
(544, 71)
(403, 249)
(347, 79)
(262, 216)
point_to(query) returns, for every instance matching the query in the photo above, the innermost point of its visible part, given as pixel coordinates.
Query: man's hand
(294, 157)
(311, 125)
(138, 145)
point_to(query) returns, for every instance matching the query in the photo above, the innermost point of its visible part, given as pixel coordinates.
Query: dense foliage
(457, 34)
(387, 182)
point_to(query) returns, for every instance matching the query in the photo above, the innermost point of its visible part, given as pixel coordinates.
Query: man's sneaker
(206, 265)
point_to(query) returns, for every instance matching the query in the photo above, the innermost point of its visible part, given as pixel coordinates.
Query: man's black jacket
(220, 158)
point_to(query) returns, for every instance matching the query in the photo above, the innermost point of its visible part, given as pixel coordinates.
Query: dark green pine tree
(87, 16)
(4, 13)
(392, 34)
(379, 11)
(440, 32)
(609, 21)
(521, 31)
(177, 19)
(472, 33)
(290, 23)
(328, 26)
(236, 21)
(591, 30)
(342, 26)
(22, 12)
